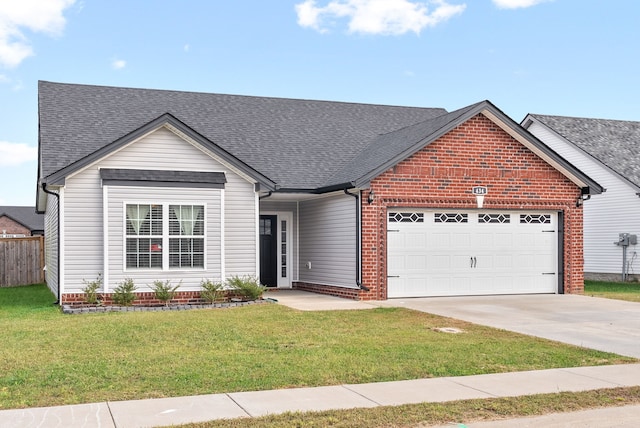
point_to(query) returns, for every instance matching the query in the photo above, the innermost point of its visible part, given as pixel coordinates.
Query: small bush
(246, 286)
(123, 294)
(164, 291)
(91, 290)
(212, 291)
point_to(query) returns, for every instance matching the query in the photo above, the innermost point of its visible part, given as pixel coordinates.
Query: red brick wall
(142, 298)
(12, 227)
(476, 153)
(347, 293)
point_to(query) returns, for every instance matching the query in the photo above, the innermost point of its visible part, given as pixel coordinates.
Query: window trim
(165, 235)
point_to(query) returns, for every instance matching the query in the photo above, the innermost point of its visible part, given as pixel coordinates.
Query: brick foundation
(142, 298)
(347, 293)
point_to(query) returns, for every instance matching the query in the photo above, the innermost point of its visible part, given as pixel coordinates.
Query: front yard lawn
(51, 359)
(613, 290)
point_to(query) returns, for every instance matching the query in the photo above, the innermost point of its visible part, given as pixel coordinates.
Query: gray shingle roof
(296, 143)
(396, 145)
(615, 143)
(26, 216)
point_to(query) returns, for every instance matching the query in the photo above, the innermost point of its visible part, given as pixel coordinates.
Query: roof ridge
(265, 97)
(582, 118)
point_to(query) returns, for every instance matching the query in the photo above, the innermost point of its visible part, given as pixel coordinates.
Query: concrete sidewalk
(181, 410)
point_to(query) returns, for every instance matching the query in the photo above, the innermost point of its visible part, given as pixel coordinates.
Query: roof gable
(174, 125)
(390, 149)
(613, 143)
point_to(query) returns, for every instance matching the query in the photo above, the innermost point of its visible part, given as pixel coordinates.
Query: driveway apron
(591, 322)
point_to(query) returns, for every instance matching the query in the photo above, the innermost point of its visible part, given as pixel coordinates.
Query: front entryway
(276, 249)
(268, 250)
(452, 252)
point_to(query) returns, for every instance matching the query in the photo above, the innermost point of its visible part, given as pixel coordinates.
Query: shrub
(246, 286)
(123, 294)
(211, 291)
(164, 291)
(91, 290)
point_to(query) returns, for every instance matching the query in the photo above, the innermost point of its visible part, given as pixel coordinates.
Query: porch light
(371, 197)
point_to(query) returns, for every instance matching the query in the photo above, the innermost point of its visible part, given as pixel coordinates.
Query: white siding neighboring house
(606, 150)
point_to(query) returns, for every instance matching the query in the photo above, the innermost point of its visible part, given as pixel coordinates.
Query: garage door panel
(472, 253)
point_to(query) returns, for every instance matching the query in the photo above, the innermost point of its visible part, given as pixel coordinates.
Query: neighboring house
(18, 222)
(606, 150)
(355, 200)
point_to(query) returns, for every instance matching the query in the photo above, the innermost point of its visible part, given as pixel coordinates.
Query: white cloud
(39, 16)
(13, 154)
(187, 47)
(517, 4)
(118, 64)
(387, 17)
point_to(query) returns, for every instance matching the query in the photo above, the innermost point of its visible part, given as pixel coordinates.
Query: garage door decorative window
(406, 217)
(535, 218)
(451, 218)
(494, 218)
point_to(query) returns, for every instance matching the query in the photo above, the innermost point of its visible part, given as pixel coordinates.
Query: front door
(269, 250)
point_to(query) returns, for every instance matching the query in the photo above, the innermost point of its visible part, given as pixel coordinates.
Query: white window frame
(166, 237)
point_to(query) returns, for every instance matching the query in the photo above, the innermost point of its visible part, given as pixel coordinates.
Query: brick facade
(476, 153)
(11, 227)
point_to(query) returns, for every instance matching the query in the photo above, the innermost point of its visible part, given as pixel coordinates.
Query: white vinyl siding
(51, 243)
(328, 241)
(240, 227)
(160, 150)
(606, 215)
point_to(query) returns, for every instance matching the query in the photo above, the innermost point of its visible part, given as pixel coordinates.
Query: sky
(559, 57)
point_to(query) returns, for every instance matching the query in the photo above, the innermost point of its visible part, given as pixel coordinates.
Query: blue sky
(561, 57)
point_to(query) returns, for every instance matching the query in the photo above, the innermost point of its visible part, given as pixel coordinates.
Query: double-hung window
(144, 236)
(163, 236)
(186, 236)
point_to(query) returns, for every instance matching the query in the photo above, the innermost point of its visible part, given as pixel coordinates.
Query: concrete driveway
(603, 324)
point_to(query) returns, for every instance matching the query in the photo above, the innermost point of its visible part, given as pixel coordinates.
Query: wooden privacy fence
(21, 261)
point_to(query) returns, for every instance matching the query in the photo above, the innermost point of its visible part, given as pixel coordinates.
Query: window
(450, 218)
(535, 218)
(144, 236)
(186, 236)
(406, 217)
(151, 229)
(494, 218)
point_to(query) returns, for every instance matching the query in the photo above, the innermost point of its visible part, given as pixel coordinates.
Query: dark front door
(269, 250)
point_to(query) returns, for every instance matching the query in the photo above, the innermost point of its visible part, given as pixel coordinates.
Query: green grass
(450, 413)
(613, 290)
(52, 359)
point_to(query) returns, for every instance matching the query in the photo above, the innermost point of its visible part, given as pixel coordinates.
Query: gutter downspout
(44, 188)
(358, 243)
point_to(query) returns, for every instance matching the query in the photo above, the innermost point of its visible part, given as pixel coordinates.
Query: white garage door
(454, 253)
